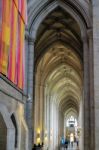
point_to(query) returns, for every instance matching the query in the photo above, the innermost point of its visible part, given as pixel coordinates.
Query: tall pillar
(45, 115)
(65, 121)
(51, 124)
(26, 62)
(91, 73)
(48, 116)
(26, 70)
(57, 112)
(36, 111)
(29, 105)
(89, 137)
(42, 110)
(96, 67)
(81, 146)
(86, 94)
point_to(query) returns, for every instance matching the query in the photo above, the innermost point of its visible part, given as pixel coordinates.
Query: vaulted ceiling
(59, 59)
(58, 26)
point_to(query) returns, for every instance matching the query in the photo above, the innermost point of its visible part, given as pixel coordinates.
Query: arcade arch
(61, 67)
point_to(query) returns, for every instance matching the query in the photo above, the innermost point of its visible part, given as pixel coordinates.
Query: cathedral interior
(49, 75)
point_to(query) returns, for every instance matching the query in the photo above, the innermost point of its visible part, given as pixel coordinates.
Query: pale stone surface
(96, 68)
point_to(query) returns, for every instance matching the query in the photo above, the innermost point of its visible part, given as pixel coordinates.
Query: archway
(59, 75)
(74, 40)
(7, 130)
(3, 133)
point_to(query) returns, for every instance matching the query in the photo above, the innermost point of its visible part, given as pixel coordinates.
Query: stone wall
(12, 101)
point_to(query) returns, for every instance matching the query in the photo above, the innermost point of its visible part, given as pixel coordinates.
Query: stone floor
(71, 148)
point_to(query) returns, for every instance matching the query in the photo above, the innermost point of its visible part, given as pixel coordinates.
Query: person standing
(66, 143)
(77, 141)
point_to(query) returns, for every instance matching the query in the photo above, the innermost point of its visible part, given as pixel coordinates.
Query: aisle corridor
(49, 74)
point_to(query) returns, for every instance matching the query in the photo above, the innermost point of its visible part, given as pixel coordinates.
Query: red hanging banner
(5, 36)
(1, 8)
(12, 29)
(13, 44)
(20, 53)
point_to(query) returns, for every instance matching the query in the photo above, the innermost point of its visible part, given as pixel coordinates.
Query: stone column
(81, 125)
(45, 114)
(42, 110)
(57, 131)
(88, 91)
(30, 101)
(51, 123)
(26, 61)
(26, 70)
(96, 68)
(55, 125)
(65, 121)
(86, 94)
(91, 73)
(36, 111)
(48, 117)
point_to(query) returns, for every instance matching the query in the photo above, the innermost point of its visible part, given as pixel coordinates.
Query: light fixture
(46, 136)
(38, 136)
(38, 130)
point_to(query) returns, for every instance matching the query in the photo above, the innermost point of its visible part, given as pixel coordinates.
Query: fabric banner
(12, 25)
(5, 36)
(1, 6)
(21, 6)
(16, 3)
(0, 13)
(20, 52)
(13, 43)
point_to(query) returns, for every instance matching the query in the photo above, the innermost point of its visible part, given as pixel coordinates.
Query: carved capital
(31, 40)
(90, 33)
(28, 37)
(26, 33)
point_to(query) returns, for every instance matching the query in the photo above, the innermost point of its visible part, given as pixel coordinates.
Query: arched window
(71, 122)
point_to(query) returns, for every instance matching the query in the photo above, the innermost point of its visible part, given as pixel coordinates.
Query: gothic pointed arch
(40, 10)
